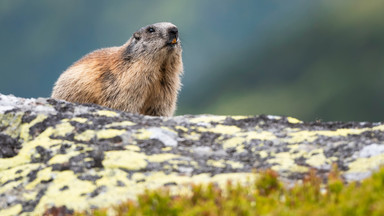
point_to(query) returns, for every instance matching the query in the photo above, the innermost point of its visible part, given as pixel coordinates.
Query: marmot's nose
(173, 33)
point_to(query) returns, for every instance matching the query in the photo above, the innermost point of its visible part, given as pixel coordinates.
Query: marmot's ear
(136, 35)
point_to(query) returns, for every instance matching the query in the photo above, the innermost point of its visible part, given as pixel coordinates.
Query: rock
(55, 154)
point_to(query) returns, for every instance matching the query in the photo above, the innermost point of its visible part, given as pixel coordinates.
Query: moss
(265, 196)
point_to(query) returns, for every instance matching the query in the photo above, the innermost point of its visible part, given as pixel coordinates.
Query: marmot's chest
(155, 99)
(159, 89)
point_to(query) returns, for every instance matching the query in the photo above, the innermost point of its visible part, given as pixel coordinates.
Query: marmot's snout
(173, 34)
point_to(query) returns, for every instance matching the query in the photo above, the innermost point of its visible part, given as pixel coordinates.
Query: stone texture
(54, 153)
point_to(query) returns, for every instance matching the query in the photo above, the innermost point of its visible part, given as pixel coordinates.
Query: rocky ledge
(54, 153)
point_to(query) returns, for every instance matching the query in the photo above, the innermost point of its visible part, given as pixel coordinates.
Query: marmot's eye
(150, 30)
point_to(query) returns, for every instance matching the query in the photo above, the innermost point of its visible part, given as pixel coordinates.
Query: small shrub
(266, 196)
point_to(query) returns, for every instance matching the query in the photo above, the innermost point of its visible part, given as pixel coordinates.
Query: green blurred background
(314, 60)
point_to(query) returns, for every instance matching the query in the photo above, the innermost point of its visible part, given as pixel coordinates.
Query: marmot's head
(154, 41)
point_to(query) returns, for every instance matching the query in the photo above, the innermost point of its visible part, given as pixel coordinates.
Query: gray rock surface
(54, 153)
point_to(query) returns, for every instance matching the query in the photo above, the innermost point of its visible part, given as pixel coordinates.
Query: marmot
(141, 76)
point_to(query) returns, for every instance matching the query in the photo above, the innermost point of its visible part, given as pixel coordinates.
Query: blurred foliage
(266, 196)
(308, 59)
(330, 67)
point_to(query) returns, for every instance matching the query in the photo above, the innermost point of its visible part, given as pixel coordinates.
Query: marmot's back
(142, 76)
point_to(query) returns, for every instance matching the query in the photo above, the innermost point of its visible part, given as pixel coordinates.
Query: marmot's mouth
(172, 43)
(170, 46)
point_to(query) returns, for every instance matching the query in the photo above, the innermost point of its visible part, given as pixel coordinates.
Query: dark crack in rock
(9, 146)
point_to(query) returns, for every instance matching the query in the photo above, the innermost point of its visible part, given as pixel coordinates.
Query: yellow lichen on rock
(221, 129)
(158, 158)
(165, 149)
(107, 113)
(109, 133)
(263, 154)
(32, 195)
(11, 123)
(239, 117)
(235, 164)
(11, 175)
(86, 135)
(72, 196)
(366, 164)
(260, 135)
(233, 142)
(132, 148)
(24, 128)
(99, 134)
(77, 119)
(242, 138)
(207, 119)
(184, 129)
(24, 155)
(125, 159)
(13, 210)
(293, 120)
(120, 124)
(216, 163)
(285, 161)
(143, 134)
(63, 129)
(317, 159)
(299, 136)
(63, 158)
(43, 175)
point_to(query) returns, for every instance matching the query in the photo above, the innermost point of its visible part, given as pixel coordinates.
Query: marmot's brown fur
(141, 76)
